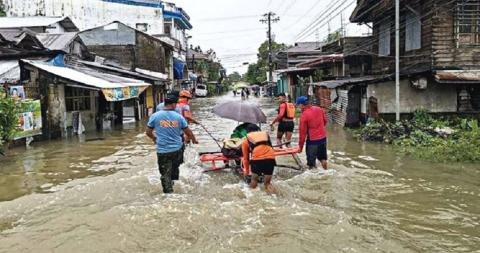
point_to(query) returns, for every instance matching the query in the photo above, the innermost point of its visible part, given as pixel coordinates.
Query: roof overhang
(114, 88)
(332, 84)
(458, 76)
(293, 70)
(321, 59)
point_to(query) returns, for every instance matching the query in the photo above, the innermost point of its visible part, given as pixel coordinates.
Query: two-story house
(176, 24)
(439, 54)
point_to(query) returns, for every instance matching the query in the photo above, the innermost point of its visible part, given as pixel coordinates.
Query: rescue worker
(168, 126)
(285, 117)
(258, 154)
(184, 107)
(312, 129)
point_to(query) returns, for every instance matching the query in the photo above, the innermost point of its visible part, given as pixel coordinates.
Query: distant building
(145, 15)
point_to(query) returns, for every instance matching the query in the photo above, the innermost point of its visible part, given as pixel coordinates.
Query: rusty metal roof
(458, 76)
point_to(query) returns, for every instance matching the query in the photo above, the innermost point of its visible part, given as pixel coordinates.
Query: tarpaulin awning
(178, 68)
(115, 88)
(458, 76)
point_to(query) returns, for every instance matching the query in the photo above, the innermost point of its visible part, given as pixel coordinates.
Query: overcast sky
(233, 30)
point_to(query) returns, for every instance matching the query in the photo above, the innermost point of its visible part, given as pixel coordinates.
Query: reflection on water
(105, 196)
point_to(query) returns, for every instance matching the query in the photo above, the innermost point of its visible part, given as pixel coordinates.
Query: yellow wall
(149, 97)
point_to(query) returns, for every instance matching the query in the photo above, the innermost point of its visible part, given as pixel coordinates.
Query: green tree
(2, 9)
(336, 35)
(257, 71)
(8, 118)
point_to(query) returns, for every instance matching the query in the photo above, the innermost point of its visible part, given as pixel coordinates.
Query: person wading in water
(258, 154)
(165, 128)
(285, 117)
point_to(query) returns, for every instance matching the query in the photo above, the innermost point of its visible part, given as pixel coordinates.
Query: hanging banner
(120, 94)
(29, 119)
(16, 92)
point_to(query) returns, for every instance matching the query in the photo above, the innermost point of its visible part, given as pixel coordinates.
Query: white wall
(89, 13)
(436, 98)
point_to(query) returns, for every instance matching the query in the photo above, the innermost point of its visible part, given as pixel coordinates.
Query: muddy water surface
(105, 196)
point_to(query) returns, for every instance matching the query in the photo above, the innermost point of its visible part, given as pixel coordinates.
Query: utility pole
(270, 18)
(397, 59)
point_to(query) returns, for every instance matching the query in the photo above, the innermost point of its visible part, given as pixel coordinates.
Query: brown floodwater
(88, 195)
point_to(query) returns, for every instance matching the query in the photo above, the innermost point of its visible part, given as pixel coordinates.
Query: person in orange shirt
(258, 154)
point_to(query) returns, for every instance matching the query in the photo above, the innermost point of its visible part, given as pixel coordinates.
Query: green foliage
(421, 137)
(336, 35)
(257, 71)
(2, 9)
(233, 78)
(8, 118)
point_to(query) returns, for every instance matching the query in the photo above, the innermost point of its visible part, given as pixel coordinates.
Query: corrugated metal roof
(332, 84)
(9, 71)
(321, 59)
(139, 73)
(289, 70)
(88, 77)
(458, 76)
(37, 21)
(56, 41)
(304, 47)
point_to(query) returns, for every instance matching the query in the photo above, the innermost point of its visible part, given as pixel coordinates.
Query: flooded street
(104, 195)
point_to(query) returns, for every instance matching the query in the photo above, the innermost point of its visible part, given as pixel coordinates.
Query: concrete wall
(113, 34)
(90, 13)
(58, 117)
(436, 98)
(124, 55)
(150, 54)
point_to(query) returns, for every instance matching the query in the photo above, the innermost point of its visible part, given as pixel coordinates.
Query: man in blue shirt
(168, 126)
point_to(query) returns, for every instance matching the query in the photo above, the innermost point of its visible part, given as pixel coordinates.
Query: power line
(305, 15)
(320, 16)
(318, 22)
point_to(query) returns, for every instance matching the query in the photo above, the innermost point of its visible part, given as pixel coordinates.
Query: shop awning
(115, 88)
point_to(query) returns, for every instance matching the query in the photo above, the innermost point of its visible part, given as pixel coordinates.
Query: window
(77, 99)
(384, 39)
(413, 31)
(143, 27)
(168, 29)
(468, 22)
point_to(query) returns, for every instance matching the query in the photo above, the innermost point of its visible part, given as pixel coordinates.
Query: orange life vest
(181, 106)
(256, 139)
(289, 110)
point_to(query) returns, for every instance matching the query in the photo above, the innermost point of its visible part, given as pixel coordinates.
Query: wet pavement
(105, 196)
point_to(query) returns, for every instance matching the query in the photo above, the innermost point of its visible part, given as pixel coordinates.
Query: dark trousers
(316, 152)
(168, 165)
